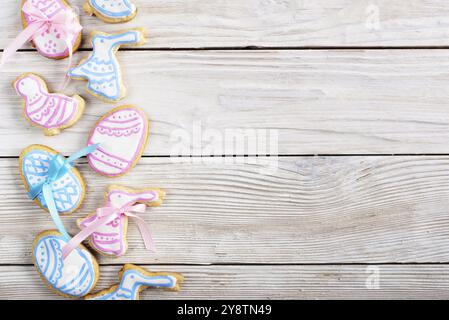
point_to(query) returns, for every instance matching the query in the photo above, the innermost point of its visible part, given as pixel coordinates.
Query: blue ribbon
(58, 167)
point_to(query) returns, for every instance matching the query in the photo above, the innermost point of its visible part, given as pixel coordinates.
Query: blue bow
(58, 167)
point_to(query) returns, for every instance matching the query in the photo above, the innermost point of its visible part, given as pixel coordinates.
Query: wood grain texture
(312, 102)
(311, 210)
(263, 282)
(264, 228)
(280, 23)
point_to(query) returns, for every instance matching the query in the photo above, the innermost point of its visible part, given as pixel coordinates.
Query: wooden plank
(310, 210)
(203, 23)
(306, 102)
(264, 282)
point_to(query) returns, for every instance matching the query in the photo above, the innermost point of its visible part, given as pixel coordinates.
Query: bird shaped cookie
(51, 111)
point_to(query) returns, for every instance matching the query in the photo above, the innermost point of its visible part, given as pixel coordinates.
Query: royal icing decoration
(101, 69)
(110, 238)
(61, 36)
(112, 11)
(134, 279)
(75, 276)
(122, 134)
(51, 111)
(67, 189)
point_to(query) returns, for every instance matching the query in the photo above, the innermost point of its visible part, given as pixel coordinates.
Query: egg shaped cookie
(74, 277)
(68, 190)
(111, 11)
(122, 135)
(52, 43)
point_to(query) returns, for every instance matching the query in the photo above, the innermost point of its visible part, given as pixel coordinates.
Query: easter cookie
(68, 189)
(110, 238)
(58, 39)
(51, 111)
(134, 280)
(73, 277)
(122, 134)
(101, 69)
(111, 11)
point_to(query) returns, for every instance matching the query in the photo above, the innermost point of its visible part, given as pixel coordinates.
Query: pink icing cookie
(51, 43)
(110, 239)
(51, 111)
(122, 134)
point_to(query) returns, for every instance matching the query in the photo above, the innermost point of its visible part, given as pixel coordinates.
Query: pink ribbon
(65, 20)
(106, 215)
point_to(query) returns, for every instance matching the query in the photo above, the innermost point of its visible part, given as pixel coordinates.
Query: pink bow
(64, 19)
(106, 215)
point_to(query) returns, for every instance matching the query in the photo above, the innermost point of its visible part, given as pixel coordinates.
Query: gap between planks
(279, 156)
(235, 264)
(260, 48)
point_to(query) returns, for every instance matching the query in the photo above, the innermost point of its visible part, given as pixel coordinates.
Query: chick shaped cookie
(51, 111)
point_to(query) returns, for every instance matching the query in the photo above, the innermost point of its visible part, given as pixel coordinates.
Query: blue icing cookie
(75, 276)
(111, 10)
(68, 190)
(101, 69)
(133, 280)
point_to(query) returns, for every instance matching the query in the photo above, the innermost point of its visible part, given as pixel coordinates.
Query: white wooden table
(357, 93)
